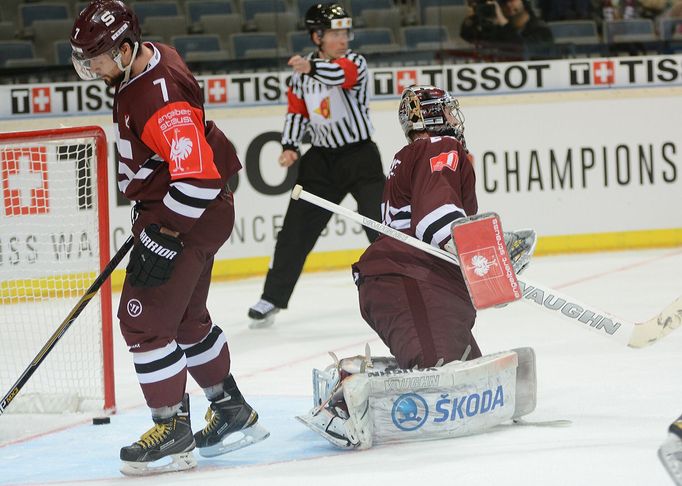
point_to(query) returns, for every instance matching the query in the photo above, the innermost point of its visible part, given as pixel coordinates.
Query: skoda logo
(134, 307)
(410, 412)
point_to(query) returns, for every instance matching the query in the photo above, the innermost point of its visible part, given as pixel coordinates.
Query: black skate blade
(236, 440)
(172, 463)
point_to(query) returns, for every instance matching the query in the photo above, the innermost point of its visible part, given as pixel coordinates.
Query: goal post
(54, 241)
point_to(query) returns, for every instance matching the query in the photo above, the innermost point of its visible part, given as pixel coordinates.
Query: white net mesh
(49, 256)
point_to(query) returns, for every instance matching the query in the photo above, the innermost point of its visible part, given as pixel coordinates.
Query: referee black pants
(330, 174)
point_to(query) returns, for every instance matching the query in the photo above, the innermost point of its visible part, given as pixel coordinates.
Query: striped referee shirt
(330, 102)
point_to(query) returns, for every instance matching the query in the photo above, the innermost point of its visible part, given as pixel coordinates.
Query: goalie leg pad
(526, 382)
(460, 398)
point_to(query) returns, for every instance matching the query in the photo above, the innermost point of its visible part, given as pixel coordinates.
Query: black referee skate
(232, 424)
(262, 314)
(171, 438)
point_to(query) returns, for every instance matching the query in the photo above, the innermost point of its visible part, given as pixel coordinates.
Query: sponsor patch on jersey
(443, 160)
(182, 137)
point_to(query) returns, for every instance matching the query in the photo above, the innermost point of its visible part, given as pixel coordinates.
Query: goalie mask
(430, 109)
(97, 35)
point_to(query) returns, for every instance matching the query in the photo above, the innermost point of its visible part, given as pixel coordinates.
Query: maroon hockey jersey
(169, 157)
(431, 183)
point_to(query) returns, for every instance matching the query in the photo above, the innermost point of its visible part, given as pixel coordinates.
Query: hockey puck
(101, 420)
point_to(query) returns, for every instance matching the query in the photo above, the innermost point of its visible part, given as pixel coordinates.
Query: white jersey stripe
(182, 209)
(434, 216)
(197, 192)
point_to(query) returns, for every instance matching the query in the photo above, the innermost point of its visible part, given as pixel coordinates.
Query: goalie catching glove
(153, 257)
(521, 246)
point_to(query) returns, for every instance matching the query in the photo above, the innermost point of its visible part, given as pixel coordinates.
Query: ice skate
(262, 314)
(166, 447)
(231, 424)
(332, 423)
(670, 452)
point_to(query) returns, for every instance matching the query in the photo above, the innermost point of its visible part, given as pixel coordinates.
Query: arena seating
(239, 29)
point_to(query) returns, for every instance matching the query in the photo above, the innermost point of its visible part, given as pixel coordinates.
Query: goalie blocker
(363, 401)
(490, 259)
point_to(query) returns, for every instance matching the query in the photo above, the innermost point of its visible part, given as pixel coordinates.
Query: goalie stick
(64, 326)
(633, 334)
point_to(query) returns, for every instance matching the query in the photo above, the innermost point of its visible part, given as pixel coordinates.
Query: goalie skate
(333, 425)
(166, 447)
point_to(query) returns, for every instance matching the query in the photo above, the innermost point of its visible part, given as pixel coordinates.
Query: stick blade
(656, 328)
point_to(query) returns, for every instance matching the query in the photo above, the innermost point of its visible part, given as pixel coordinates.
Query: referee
(327, 97)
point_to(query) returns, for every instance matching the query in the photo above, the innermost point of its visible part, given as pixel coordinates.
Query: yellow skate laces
(155, 435)
(212, 419)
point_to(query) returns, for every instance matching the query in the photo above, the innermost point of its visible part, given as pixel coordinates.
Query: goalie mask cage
(54, 241)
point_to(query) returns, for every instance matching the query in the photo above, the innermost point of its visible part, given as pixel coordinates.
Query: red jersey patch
(445, 159)
(176, 133)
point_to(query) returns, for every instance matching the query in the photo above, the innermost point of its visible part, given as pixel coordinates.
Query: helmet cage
(432, 110)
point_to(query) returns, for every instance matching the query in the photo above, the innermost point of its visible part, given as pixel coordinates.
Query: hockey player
(670, 452)
(327, 98)
(175, 164)
(419, 306)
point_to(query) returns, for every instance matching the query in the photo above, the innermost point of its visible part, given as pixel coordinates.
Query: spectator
(507, 25)
(553, 10)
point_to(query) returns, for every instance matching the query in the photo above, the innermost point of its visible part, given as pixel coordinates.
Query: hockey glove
(153, 257)
(520, 246)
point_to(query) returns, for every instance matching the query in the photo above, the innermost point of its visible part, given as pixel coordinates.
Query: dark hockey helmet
(430, 109)
(324, 16)
(100, 28)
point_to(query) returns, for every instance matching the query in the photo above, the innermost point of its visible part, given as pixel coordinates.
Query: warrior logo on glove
(153, 257)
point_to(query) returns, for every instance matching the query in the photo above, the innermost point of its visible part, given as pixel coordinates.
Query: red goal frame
(96, 133)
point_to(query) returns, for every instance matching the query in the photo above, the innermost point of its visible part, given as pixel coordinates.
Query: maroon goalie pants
(419, 322)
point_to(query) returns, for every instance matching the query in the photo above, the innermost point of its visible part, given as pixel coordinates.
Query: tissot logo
(580, 73)
(20, 101)
(603, 72)
(217, 90)
(31, 100)
(41, 99)
(405, 79)
(383, 82)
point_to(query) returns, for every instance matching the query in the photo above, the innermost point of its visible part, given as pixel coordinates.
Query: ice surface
(620, 400)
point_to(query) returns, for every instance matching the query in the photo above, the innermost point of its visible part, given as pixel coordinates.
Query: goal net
(54, 241)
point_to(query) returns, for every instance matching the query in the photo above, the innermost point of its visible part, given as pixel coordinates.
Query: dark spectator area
(218, 36)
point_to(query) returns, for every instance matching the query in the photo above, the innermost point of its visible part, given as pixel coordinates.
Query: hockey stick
(64, 326)
(633, 334)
